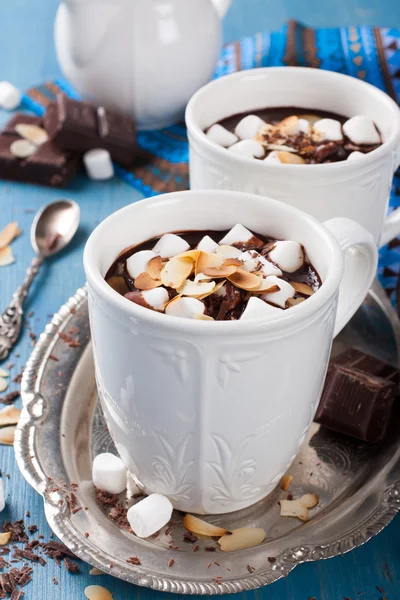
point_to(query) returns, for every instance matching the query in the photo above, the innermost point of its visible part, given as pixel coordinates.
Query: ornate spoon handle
(11, 319)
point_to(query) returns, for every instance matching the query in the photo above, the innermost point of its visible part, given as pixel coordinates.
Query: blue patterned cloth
(371, 54)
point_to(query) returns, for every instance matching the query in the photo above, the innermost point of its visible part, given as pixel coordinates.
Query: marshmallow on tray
(187, 308)
(258, 309)
(149, 515)
(137, 263)
(248, 149)
(207, 244)
(328, 129)
(2, 496)
(221, 136)
(287, 255)
(170, 245)
(10, 97)
(361, 130)
(280, 298)
(109, 473)
(98, 164)
(249, 126)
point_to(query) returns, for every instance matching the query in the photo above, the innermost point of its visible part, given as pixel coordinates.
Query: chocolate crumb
(133, 560)
(86, 534)
(210, 548)
(17, 530)
(250, 568)
(52, 357)
(10, 397)
(171, 562)
(71, 566)
(380, 589)
(216, 563)
(55, 580)
(27, 514)
(32, 529)
(189, 537)
(289, 497)
(209, 565)
(196, 548)
(271, 559)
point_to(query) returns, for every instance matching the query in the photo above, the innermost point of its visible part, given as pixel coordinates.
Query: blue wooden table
(27, 57)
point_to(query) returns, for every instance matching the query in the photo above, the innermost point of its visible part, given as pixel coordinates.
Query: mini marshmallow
(257, 309)
(149, 515)
(303, 126)
(251, 260)
(273, 157)
(280, 298)
(328, 129)
(98, 164)
(238, 234)
(109, 473)
(2, 496)
(156, 298)
(221, 136)
(207, 244)
(268, 268)
(10, 97)
(249, 126)
(355, 155)
(187, 308)
(361, 130)
(170, 245)
(248, 149)
(137, 263)
(288, 255)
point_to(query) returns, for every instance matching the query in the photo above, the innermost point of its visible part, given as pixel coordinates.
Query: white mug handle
(360, 256)
(391, 227)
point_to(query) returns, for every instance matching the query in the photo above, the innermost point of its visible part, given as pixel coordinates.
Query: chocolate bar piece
(46, 166)
(358, 396)
(79, 127)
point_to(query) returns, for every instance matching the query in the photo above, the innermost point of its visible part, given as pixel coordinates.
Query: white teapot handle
(221, 6)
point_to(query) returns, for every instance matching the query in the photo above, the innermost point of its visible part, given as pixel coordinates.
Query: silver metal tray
(62, 427)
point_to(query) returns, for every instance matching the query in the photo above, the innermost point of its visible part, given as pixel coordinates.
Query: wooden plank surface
(27, 57)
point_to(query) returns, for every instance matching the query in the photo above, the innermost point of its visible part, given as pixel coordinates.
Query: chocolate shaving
(133, 560)
(32, 528)
(71, 566)
(107, 500)
(29, 555)
(10, 397)
(17, 530)
(171, 562)
(189, 537)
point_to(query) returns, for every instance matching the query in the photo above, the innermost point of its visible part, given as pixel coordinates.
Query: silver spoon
(52, 229)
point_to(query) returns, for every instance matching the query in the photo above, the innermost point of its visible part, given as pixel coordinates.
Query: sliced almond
(118, 284)
(196, 289)
(310, 118)
(4, 373)
(3, 384)
(265, 286)
(289, 158)
(22, 149)
(309, 500)
(201, 317)
(200, 527)
(145, 282)
(97, 592)
(176, 271)
(5, 538)
(294, 508)
(218, 286)
(302, 288)
(6, 256)
(244, 280)
(288, 125)
(32, 133)
(294, 301)
(281, 147)
(285, 482)
(7, 435)
(9, 233)
(154, 267)
(229, 251)
(215, 265)
(192, 254)
(96, 571)
(239, 539)
(201, 277)
(9, 415)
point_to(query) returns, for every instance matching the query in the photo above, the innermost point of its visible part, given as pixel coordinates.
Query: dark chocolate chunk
(353, 358)
(48, 165)
(79, 127)
(356, 403)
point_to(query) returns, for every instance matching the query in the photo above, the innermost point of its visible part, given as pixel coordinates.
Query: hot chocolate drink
(291, 135)
(244, 276)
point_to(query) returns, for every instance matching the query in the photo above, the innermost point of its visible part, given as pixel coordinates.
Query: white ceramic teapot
(143, 57)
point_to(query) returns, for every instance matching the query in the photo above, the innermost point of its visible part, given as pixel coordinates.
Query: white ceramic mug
(211, 414)
(356, 189)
